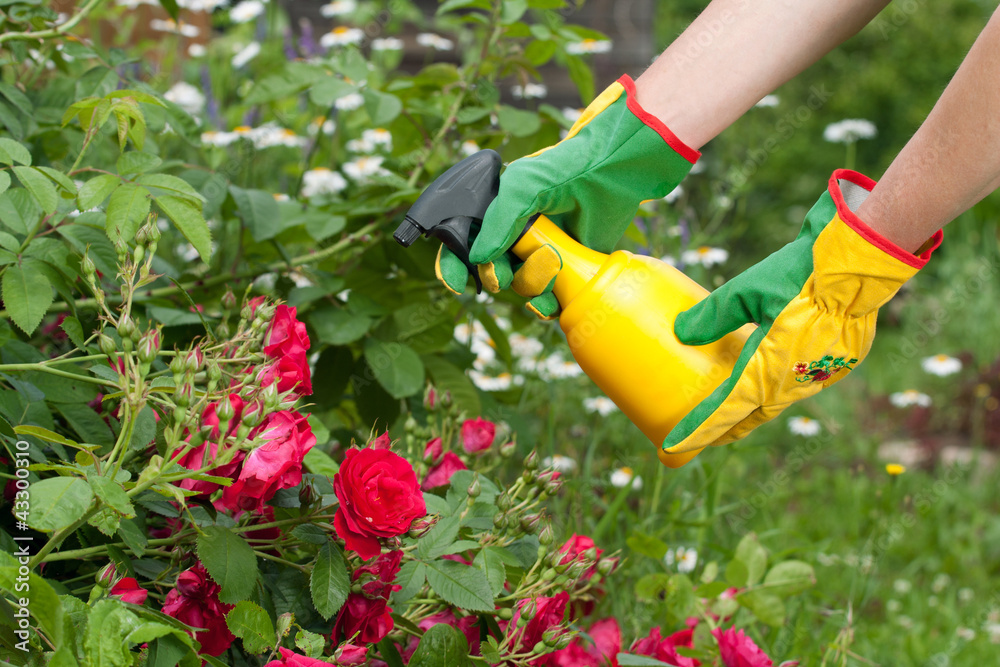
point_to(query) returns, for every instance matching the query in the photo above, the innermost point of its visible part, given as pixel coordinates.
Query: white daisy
(387, 44)
(500, 382)
(245, 11)
(622, 477)
(904, 399)
(705, 255)
(686, 559)
(804, 426)
(349, 102)
(965, 633)
(530, 91)
(469, 147)
(360, 146)
(558, 368)
(270, 135)
(280, 197)
(213, 138)
(246, 54)
(322, 181)
(602, 405)
(321, 124)
(966, 594)
(572, 114)
(463, 332)
(266, 281)
(338, 8)
(850, 130)
(523, 346)
(364, 167)
(171, 26)
(436, 42)
(768, 101)
(669, 259)
(197, 50)
(588, 46)
(341, 36)
(902, 586)
(559, 463)
(940, 583)
(186, 96)
(941, 364)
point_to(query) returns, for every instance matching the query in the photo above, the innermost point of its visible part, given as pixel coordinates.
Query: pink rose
(665, 649)
(440, 474)
(349, 655)
(379, 497)
(293, 659)
(433, 451)
(546, 613)
(603, 651)
(477, 435)
(738, 650)
(277, 464)
(194, 600)
(129, 590)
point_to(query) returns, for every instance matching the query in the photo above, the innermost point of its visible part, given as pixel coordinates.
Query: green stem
(229, 277)
(42, 368)
(60, 535)
(83, 554)
(58, 31)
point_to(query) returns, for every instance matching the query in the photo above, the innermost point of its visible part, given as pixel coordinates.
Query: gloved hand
(816, 301)
(615, 156)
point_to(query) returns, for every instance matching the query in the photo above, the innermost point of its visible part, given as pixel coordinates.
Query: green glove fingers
(496, 275)
(544, 306)
(450, 270)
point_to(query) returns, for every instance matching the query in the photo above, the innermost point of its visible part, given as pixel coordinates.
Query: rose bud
(507, 449)
(228, 300)
(547, 535)
(499, 521)
(529, 523)
(177, 368)
(106, 344)
(194, 360)
(88, 267)
(308, 495)
(606, 566)
(149, 346)
(531, 460)
(430, 398)
(527, 613)
(564, 640)
(419, 527)
(106, 575)
(253, 414)
(446, 399)
(505, 613)
(270, 396)
(183, 394)
(504, 502)
(475, 488)
(551, 636)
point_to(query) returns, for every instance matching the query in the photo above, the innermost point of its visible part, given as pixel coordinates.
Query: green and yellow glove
(591, 183)
(816, 301)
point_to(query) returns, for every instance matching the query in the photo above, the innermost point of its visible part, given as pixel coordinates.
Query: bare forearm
(952, 161)
(736, 52)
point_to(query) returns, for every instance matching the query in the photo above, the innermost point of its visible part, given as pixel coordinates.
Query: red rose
(477, 435)
(545, 613)
(366, 613)
(607, 643)
(440, 474)
(575, 548)
(665, 649)
(287, 341)
(194, 600)
(381, 442)
(738, 650)
(433, 451)
(379, 497)
(129, 590)
(277, 464)
(293, 659)
(206, 453)
(349, 655)
(290, 372)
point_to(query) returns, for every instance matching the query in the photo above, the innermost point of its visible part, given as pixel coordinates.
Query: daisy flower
(246, 11)
(341, 36)
(588, 46)
(364, 167)
(768, 101)
(349, 102)
(170, 25)
(602, 405)
(942, 365)
(186, 96)
(705, 255)
(322, 181)
(686, 559)
(530, 91)
(622, 477)
(246, 54)
(674, 195)
(387, 44)
(559, 463)
(436, 42)
(558, 368)
(804, 426)
(904, 399)
(849, 130)
(338, 8)
(523, 346)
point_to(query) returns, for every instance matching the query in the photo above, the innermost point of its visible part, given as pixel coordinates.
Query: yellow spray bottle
(617, 313)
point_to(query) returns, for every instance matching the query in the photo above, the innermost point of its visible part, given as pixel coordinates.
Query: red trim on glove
(864, 231)
(685, 151)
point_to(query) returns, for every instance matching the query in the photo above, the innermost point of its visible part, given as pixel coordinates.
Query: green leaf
(322, 225)
(790, 577)
(396, 367)
(765, 605)
(338, 326)
(171, 7)
(491, 562)
(43, 602)
(230, 561)
(144, 429)
(382, 107)
(439, 538)
(518, 122)
(133, 536)
(27, 296)
(4, 181)
(251, 623)
(329, 582)
(137, 162)
(40, 187)
(295, 78)
(73, 329)
(461, 585)
(310, 643)
(127, 210)
(44, 434)
(750, 552)
(259, 211)
(320, 463)
(105, 519)
(171, 185)
(107, 624)
(58, 502)
(112, 494)
(324, 93)
(17, 98)
(452, 5)
(11, 152)
(582, 76)
(441, 646)
(647, 545)
(60, 179)
(512, 11)
(736, 573)
(629, 660)
(540, 51)
(189, 220)
(411, 577)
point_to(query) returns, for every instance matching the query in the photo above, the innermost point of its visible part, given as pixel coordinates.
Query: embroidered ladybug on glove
(816, 301)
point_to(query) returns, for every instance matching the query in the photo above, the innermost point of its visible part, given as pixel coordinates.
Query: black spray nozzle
(452, 204)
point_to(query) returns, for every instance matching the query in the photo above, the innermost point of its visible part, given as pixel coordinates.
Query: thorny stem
(57, 31)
